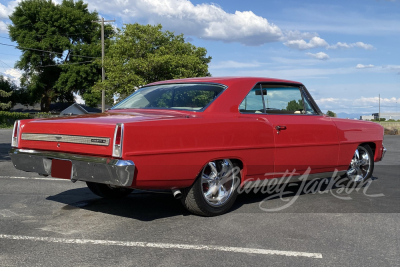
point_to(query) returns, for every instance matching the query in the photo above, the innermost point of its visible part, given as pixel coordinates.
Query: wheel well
(371, 145)
(238, 162)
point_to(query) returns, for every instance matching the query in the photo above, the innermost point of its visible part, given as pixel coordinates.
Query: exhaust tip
(177, 193)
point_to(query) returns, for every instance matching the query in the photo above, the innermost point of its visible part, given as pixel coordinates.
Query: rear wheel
(361, 165)
(214, 191)
(107, 191)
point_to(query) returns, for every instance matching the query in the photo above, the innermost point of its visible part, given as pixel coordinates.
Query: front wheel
(214, 191)
(107, 191)
(361, 165)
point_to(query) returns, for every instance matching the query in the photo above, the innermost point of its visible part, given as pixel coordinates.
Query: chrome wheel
(360, 165)
(218, 182)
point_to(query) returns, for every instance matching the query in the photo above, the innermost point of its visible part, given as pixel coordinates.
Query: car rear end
(77, 148)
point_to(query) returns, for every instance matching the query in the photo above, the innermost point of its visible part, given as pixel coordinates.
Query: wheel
(107, 191)
(214, 191)
(361, 165)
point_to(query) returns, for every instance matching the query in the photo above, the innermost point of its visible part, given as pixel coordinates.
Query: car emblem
(58, 137)
(99, 141)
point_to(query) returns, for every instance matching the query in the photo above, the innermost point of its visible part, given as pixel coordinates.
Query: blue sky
(345, 52)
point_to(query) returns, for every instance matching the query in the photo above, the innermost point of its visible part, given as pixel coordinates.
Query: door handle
(280, 127)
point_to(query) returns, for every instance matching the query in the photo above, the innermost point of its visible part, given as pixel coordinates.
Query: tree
(67, 31)
(295, 106)
(331, 113)
(6, 90)
(142, 54)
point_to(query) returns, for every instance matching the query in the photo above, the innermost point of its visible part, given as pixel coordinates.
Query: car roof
(225, 80)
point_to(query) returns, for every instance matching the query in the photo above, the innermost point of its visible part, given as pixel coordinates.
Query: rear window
(172, 96)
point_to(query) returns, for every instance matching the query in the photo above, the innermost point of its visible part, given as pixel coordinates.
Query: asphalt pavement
(53, 222)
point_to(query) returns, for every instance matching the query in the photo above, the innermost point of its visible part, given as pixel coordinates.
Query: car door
(304, 138)
(260, 158)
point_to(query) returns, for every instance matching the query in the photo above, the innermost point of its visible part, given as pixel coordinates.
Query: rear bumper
(84, 168)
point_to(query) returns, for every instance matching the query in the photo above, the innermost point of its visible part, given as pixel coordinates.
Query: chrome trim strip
(86, 140)
(110, 171)
(293, 179)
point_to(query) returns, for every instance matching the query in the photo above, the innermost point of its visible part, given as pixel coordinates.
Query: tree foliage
(67, 31)
(142, 54)
(6, 90)
(295, 105)
(331, 113)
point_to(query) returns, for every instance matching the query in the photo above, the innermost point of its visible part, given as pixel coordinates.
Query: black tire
(371, 164)
(193, 200)
(105, 191)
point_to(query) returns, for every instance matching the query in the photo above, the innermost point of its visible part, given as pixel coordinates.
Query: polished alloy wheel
(218, 182)
(360, 165)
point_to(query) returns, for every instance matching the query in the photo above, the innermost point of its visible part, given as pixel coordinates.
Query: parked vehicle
(190, 135)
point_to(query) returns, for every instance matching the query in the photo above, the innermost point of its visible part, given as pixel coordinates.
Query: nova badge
(98, 141)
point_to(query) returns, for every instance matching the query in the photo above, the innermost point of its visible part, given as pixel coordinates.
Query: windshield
(172, 96)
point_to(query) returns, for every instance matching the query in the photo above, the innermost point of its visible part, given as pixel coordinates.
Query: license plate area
(61, 168)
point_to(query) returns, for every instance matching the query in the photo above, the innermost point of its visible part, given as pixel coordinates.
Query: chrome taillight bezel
(14, 138)
(117, 148)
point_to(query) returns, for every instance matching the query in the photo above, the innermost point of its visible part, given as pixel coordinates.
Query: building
(79, 109)
(387, 116)
(367, 117)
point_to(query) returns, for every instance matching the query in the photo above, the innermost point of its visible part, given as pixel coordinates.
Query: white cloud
(354, 104)
(78, 99)
(6, 11)
(3, 27)
(234, 64)
(207, 21)
(341, 45)
(303, 45)
(16, 74)
(361, 66)
(297, 35)
(319, 55)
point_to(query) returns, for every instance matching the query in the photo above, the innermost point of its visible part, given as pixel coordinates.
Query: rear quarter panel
(171, 153)
(352, 133)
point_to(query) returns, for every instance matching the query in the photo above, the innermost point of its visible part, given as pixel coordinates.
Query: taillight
(15, 134)
(118, 140)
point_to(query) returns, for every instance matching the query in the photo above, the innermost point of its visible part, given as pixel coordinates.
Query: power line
(56, 65)
(39, 50)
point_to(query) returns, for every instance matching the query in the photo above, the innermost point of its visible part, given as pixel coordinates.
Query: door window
(284, 100)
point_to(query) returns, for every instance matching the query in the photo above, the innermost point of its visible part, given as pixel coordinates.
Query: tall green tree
(143, 54)
(67, 31)
(295, 105)
(331, 113)
(6, 90)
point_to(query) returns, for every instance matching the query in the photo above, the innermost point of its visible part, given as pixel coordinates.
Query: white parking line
(165, 246)
(34, 178)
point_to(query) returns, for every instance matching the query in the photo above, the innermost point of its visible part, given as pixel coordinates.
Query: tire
(198, 199)
(359, 172)
(106, 191)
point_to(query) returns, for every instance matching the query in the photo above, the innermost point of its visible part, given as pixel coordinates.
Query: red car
(202, 138)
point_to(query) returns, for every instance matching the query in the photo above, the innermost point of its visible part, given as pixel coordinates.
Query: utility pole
(103, 74)
(379, 114)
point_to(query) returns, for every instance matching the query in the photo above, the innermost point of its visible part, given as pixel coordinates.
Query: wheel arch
(372, 145)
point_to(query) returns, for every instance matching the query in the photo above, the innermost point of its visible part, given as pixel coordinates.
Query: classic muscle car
(189, 135)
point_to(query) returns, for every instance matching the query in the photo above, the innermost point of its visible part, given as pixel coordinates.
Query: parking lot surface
(53, 222)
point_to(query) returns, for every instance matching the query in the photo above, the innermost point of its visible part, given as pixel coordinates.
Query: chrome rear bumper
(84, 168)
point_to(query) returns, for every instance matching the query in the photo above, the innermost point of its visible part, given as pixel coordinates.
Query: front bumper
(84, 168)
